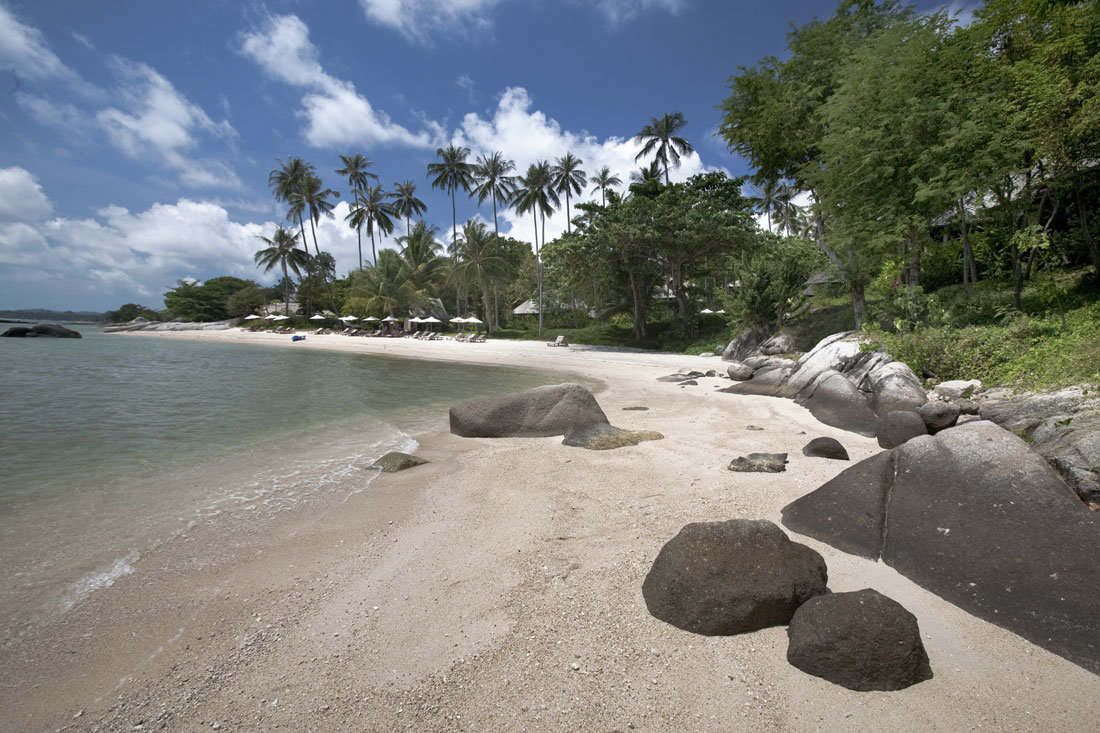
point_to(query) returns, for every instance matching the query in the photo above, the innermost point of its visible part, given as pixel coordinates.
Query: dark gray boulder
(966, 407)
(861, 640)
(601, 436)
(939, 415)
(395, 461)
(825, 448)
(899, 426)
(767, 382)
(743, 345)
(837, 402)
(975, 516)
(781, 343)
(533, 413)
(739, 372)
(760, 463)
(42, 330)
(722, 578)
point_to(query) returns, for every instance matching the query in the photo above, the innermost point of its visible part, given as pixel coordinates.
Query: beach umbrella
(369, 318)
(707, 311)
(349, 319)
(430, 319)
(272, 317)
(281, 318)
(721, 311)
(417, 319)
(389, 319)
(252, 317)
(474, 319)
(318, 317)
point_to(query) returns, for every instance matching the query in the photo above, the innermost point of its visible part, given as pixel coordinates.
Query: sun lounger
(560, 341)
(479, 339)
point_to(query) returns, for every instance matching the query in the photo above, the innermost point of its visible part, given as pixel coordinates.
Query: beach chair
(479, 339)
(559, 341)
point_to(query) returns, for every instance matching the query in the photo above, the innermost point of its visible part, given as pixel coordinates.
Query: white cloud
(526, 135)
(620, 11)
(417, 20)
(21, 198)
(336, 114)
(162, 122)
(25, 49)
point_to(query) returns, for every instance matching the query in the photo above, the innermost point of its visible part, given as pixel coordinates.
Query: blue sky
(138, 136)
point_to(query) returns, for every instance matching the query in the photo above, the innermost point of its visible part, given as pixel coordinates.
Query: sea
(115, 443)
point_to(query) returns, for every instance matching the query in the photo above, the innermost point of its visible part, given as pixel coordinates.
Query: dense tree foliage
(208, 301)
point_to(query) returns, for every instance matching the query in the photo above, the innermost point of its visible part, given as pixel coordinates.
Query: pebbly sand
(499, 588)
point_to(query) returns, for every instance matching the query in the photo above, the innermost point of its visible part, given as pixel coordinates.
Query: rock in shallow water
(861, 640)
(721, 578)
(395, 461)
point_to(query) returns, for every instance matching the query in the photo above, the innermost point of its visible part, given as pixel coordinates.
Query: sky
(137, 137)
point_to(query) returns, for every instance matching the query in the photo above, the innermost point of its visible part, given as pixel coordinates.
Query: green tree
(381, 289)
(356, 170)
(492, 178)
(567, 178)
(244, 301)
(405, 202)
(451, 173)
(421, 258)
(378, 213)
(535, 193)
(659, 138)
(479, 263)
(282, 250)
(604, 180)
(771, 275)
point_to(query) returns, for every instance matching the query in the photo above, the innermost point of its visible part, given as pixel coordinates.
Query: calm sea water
(114, 443)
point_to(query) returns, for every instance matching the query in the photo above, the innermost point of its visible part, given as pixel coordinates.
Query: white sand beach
(499, 588)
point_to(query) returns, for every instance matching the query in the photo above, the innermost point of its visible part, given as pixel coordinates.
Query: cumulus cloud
(527, 135)
(21, 198)
(336, 114)
(418, 20)
(160, 121)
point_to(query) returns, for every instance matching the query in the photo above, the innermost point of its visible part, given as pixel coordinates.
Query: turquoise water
(113, 443)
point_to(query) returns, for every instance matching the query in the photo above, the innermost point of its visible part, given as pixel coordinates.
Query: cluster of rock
(738, 576)
(142, 324)
(976, 517)
(568, 410)
(42, 330)
(840, 383)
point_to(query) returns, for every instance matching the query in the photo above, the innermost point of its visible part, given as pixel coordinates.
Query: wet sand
(499, 588)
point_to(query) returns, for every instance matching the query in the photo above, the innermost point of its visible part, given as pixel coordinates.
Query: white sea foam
(81, 589)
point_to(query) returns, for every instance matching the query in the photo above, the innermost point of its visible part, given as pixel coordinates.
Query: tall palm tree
(659, 136)
(451, 173)
(568, 178)
(382, 287)
(355, 168)
(318, 202)
(479, 263)
(787, 211)
(604, 180)
(356, 219)
(378, 213)
(405, 202)
(767, 199)
(535, 193)
(283, 250)
(287, 183)
(493, 179)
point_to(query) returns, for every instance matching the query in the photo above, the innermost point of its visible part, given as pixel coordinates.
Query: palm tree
(451, 174)
(535, 193)
(767, 199)
(478, 262)
(355, 168)
(420, 255)
(492, 179)
(283, 250)
(660, 136)
(382, 287)
(356, 218)
(318, 202)
(787, 210)
(287, 183)
(568, 178)
(377, 212)
(604, 180)
(405, 202)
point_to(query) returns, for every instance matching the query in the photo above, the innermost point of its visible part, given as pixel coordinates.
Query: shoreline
(499, 588)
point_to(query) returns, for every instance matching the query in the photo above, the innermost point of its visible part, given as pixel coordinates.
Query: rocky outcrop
(744, 345)
(41, 330)
(760, 463)
(739, 372)
(601, 436)
(533, 413)
(721, 578)
(861, 640)
(395, 461)
(1063, 427)
(975, 516)
(141, 324)
(840, 384)
(825, 448)
(939, 415)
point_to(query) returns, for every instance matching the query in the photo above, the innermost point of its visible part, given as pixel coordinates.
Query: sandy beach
(499, 588)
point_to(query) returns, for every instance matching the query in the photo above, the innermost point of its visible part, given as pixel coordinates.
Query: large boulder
(744, 345)
(533, 413)
(721, 578)
(842, 384)
(42, 330)
(975, 516)
(861, 640)
(739, 372)
(899, 426)
(825, 448)
(939, 415)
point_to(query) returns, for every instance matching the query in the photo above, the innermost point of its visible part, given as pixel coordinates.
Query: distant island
(34, 315)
